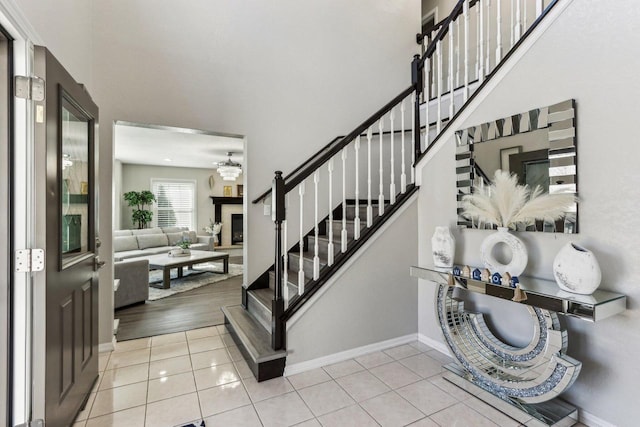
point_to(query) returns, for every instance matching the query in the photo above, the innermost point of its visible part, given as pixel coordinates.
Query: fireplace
(236, 229)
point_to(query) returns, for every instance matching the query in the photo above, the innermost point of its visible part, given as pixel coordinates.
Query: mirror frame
(560, 119)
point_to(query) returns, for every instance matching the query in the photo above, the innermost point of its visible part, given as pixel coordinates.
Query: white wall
(372, 301)
(138, 178)
(289, 75)
(576, 58)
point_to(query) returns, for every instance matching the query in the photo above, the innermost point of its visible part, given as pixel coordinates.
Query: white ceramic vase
(443, 246)
(519, 254)
(576, 270)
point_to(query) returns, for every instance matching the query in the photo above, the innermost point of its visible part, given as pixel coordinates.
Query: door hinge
(32, 88)
(28, 260)
(34, 423)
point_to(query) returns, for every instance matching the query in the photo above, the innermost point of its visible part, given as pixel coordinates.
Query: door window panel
(75, 169)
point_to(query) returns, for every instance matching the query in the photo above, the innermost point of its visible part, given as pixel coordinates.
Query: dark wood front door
(66, 126)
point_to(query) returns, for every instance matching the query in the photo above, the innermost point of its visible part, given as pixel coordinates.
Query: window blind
(175, 203)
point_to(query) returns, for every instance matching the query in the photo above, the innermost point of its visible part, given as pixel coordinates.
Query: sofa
(151, 241)
(134, 282)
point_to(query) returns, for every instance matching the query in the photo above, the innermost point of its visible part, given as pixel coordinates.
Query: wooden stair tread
(264, 296)
(255, 340)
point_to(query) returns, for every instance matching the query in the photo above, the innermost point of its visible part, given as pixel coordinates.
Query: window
(175, 203)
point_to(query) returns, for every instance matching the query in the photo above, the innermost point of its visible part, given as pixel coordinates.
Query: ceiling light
(229, 170)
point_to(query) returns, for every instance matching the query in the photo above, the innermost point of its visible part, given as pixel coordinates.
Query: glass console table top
(540, 293)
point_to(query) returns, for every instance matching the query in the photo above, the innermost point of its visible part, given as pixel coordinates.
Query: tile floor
(171, 380)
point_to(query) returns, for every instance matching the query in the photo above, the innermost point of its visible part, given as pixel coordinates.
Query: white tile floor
(171, 380)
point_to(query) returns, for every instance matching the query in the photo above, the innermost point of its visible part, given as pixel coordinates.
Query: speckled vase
(576, 270)
(443, 246)
(519, 253)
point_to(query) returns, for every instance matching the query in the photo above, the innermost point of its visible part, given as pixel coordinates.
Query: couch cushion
(120, 233)
(199, 247)
(119, 256)
(125, 243)
(152, 240)
(146, 231)
(174, 238)
(190, 235)
(168, 230)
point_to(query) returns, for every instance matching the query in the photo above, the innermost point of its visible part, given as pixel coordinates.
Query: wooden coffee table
(165, 263)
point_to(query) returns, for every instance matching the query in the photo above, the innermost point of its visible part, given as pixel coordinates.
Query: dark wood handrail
(457, 10)
(312, 165)
(262, 196)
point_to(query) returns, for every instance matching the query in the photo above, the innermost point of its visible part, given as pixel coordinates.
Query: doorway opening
(184, 262)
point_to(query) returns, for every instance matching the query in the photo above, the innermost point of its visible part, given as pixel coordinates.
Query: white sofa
(149, 241)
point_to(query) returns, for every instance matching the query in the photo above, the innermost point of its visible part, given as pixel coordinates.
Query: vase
(186, 251)
(519, 254)
(576, 270)
(443, 246)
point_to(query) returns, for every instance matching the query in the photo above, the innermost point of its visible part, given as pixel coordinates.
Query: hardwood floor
(197, 308)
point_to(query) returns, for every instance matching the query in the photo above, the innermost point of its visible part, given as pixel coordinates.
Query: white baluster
(451, 44)
(392, 186)
(356, 220)
(343, 235)
(498, 32)
(413, 136)
(465, 16)
(512, 26)
(518, 29)
(381, 170)
(403, 174)
(316, 258)
(488, 39)
(427, 66)
(330, 250)
(524, 18)
(458, 38)
(426, 80)
(478, 37)
(539, 7)
(285, 262)
(481, 42)
(433, 68)
(369, 206)
(439, 89)
(301, 260)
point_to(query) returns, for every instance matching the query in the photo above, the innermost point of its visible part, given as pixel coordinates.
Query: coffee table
(165, 263)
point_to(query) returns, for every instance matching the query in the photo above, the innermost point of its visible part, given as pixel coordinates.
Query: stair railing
(374, 159)
(465, 48)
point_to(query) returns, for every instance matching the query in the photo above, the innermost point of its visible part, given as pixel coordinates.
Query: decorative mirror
(539, 146)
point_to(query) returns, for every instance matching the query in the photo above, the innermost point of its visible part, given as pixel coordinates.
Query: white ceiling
(152, 145)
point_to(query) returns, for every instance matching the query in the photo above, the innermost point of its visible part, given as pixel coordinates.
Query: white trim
(434, 344)
(13, 20)
(433, 12)
(591, 420)
(108, 346)
(330, 359)
(298, 315)
(504, 70)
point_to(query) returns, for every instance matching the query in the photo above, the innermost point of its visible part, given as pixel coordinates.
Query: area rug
(202, 275)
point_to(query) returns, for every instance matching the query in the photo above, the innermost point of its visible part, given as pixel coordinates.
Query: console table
(522, 382)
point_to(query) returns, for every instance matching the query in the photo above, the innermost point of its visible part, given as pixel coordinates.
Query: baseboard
(436, 345)
(591, 420)
(107, 346)
(330, 359)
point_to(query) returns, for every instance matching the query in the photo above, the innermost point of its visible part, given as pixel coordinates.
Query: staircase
(327, 208)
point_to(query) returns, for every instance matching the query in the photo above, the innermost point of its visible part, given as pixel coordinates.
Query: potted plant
(184, 245)
(139, 200)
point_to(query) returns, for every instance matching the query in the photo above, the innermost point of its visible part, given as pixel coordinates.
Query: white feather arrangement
(505, 203)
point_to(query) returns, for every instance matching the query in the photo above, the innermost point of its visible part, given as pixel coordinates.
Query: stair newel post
(301, 191)
(343, 234)
(380, 169)
(278, 214)
(330, 248)
(392, 186)
(451, 97)
(465, 17)
(403, 172)
(498, 31)
(316, 258)
(416, 80)
(356, 220)
(369, 206)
